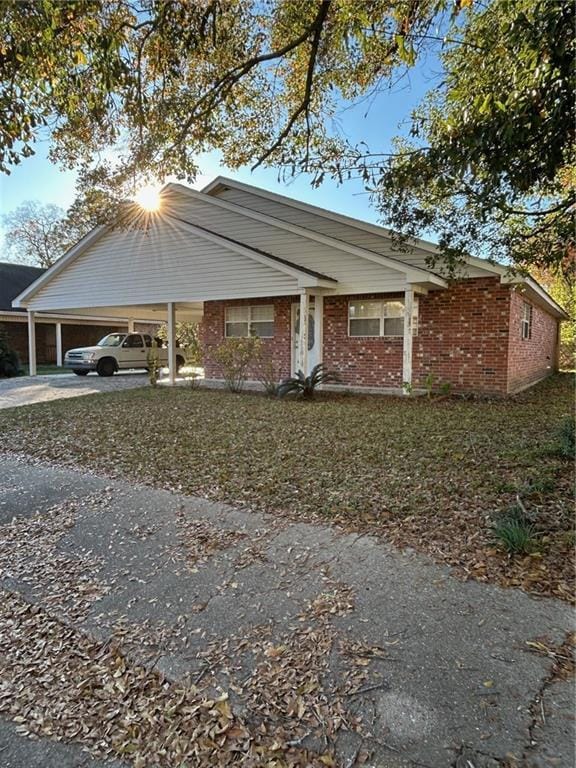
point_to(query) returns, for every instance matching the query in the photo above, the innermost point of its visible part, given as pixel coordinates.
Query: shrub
(153, 363)
(429, 384)
(268, 373)
(188, 339)
(566, 439)
(9, 363)
(305, 386)
(235, 356)
(515, 532)
(445, 388)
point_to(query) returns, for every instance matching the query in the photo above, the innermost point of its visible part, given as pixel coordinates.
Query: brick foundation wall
(278, 348)
(463, 336)
(530, 360)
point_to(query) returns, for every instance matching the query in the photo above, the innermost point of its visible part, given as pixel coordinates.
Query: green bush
(235, 356)
(305, 386)
(515, 532)
(9, 363)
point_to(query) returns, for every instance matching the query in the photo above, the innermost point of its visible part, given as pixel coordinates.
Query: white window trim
(526, 322)
(249, 321)
(382, 317)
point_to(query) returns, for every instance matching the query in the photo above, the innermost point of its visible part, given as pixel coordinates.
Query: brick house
(315, 286)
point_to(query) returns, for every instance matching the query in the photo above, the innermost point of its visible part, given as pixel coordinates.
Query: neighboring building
(246, 261)
(54, 333)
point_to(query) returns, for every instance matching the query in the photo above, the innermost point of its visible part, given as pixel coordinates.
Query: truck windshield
(112, 340)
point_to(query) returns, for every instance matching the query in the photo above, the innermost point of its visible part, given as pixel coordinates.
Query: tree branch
(305, 104)
(232, 76)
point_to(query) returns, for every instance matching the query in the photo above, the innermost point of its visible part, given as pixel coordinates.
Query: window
(379, 318)
(147, 340)
(250, 321)
(526, 322)
(133, 340)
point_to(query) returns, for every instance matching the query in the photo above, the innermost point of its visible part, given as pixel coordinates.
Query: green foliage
(429, 383)
(514, 532)
(235, 356)
(153, 363)
(407, 387)
(305, 386)
(9, 363)
(188, 338)
(162, 82)
(445, 388)
(566, 439)
(489, 163)
(490, 160)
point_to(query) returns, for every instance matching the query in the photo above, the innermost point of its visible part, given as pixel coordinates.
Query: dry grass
(430, 474)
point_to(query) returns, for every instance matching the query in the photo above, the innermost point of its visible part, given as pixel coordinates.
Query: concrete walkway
(431, 671)
(26, 390)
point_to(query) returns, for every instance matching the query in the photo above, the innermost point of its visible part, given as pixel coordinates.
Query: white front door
(313, 345)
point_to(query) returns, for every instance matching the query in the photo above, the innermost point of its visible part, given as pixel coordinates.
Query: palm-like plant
(305, 386)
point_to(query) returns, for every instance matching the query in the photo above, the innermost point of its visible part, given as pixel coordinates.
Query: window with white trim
(526, 321)
(250, 321)
(379, 318)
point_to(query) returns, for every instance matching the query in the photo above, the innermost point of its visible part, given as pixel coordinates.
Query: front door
(313, 356)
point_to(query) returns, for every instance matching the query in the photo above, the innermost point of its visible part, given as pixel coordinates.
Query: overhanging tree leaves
(155, 82)
(490, 162)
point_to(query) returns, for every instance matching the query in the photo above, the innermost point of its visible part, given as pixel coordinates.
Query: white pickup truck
(116, 352)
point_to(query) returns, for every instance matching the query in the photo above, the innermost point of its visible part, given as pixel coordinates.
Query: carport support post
(171, 342)
(302, 361)
(130, 325)
(408, 333)
(31, 344)
(59, 344)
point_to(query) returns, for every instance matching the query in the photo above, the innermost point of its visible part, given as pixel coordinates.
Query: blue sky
(374, 121)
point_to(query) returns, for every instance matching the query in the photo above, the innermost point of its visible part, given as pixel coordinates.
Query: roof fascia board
(413, 274)
(72, 254)
(537, 290)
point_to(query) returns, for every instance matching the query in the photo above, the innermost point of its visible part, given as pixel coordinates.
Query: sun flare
(148, 198)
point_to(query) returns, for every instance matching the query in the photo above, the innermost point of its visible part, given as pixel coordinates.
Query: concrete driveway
(26, 390)
(309, 640)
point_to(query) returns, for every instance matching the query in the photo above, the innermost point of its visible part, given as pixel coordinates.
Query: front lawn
(427, 474)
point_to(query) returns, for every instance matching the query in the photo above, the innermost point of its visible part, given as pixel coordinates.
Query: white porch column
(319, 322)
(59, 344)
(302, 356)
(171, 342)
(408, 335)
(130, 325)
(31, 344)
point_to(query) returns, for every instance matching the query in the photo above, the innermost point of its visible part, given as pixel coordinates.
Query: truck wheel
(179, 362)
(106, 367)
(79, 372)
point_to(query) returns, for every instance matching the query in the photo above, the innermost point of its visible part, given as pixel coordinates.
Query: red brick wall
(468, 336)
(530, 360)
(361, 361)
(278, 348)
(463, 336)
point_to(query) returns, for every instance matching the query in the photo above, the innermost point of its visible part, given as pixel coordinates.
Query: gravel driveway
(122, 605)
(26, 390)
